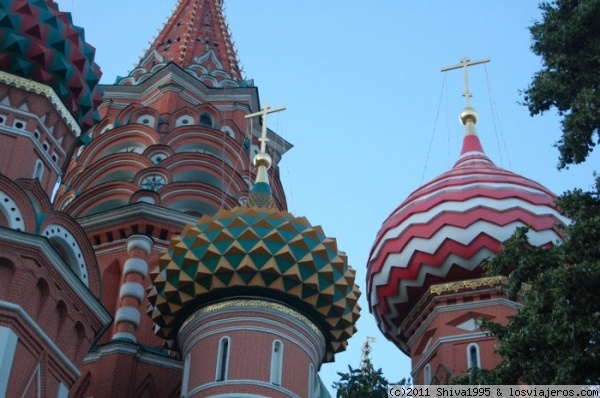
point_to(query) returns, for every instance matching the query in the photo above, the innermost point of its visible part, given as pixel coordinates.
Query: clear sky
(365, 100)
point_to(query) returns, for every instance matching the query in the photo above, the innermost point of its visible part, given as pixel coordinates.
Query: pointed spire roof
(196, 38)
(472, 150)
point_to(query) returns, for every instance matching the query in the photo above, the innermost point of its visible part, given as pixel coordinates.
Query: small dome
(446, 228)
(39, 42)
(259, 252)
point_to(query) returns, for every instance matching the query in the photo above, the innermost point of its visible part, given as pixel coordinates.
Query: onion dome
(445, 229)
(256, 250)
(40, 43)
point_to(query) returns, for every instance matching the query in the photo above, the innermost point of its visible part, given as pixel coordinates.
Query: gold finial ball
(262, 159)
(469, 114)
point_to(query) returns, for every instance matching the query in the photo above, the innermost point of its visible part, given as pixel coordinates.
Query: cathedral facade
(109, 284)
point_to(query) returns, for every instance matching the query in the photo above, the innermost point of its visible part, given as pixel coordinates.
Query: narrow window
(473, 358)
(311, 381)
(206, 121)
(186, 376)
(39, 170)
(223, 359)
(276, 362)
(63, 391)
(427, 375)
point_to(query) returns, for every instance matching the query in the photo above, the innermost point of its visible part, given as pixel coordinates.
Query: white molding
(136, 211)
(46, 91)
(236, 395)
(23, 315)
(12, 215)
(71, 247)
(450, 339)
(124, 336)
(127, 348)
(459, 307)
(128, 314)
(140, 241)
(185, 380)
(241, 382)
(135, 265)
(132, 289)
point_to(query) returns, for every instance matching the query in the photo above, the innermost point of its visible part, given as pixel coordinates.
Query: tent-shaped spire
(196, 38)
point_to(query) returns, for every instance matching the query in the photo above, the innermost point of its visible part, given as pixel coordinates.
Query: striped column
(131, 295)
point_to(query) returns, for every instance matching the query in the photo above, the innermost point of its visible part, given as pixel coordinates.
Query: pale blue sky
(362, 86)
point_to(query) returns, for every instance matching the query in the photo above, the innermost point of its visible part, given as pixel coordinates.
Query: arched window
(276, 362)
(473, 356)
(223, 359)
(39, 170)
(184, 121)
(427, 375)
(186, 376)
(147, 120)
(205, 120)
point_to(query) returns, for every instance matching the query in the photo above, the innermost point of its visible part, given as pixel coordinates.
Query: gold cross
(465, 63)
(264, 112)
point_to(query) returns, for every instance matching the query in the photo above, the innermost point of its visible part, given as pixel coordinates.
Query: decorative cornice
(451, 287)
(468, 306)
(254, 304)
(38, 88)
(137, 211)
(133, 349)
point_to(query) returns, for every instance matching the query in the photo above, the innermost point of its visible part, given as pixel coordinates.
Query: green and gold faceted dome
(41, 43)
(256, 251)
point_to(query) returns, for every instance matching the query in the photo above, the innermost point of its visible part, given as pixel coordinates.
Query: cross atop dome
(465, 62)
(196, 38)
(469, 116)
(261, 192)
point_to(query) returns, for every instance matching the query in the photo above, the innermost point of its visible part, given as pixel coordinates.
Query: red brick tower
(50, 313)
(425, 283)
(172, 144)
(254, 299)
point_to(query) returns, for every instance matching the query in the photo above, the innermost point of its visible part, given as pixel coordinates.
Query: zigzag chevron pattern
(39, 42)
(257, 252)
(445, 229)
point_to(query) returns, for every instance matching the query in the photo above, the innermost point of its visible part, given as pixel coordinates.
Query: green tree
(568, 40)
(555, 336)
(365, 381)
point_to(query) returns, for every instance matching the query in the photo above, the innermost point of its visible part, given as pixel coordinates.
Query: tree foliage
(568, 41)
(555, 336)
(365, 381)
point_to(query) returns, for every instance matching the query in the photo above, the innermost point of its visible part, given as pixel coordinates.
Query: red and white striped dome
(446, 228)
